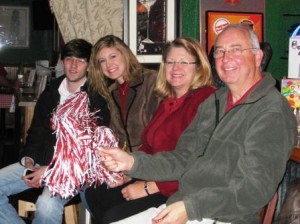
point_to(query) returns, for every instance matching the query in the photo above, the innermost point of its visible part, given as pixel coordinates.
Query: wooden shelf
(297, 15)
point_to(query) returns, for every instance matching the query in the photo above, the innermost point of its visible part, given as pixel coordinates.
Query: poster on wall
(151, 25)
(218, 20)
(14, 26)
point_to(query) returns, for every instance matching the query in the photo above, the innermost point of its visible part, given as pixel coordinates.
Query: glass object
(147, 4)
(20, 73)
(180, 63)
(236, 51)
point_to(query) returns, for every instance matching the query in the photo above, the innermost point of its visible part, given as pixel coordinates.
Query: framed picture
(151, 24)
(218, 20)
(14, 26)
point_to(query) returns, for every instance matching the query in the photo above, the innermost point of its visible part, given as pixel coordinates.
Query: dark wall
(40, 40)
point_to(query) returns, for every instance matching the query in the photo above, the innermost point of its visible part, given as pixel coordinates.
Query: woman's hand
(115, 159)
(174, 213)
(119, 182)
(136, 190)
(33, 179)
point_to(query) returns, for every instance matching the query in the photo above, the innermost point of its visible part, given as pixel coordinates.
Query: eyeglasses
(236, 51)
(180, 63)
(79, 61)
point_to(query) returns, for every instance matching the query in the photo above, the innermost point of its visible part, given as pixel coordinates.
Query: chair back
(268, 52)
(269, 210)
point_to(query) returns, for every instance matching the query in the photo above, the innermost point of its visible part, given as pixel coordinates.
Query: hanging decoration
(233, 2)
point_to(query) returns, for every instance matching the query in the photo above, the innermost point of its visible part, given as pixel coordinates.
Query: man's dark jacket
(41, 138)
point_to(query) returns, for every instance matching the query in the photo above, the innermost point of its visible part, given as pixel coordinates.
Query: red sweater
(170, 120)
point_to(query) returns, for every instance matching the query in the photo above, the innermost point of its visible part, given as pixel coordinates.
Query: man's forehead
(233, 45)
(231, 38)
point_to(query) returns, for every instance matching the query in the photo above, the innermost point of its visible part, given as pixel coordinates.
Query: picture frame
(14, 26)
(216, 21)
(139, 34)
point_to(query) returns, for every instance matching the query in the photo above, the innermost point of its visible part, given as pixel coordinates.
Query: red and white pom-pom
(75, 162)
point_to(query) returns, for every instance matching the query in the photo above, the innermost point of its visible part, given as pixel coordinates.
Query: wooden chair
(87, 217)
(26, 200)
(267, 214)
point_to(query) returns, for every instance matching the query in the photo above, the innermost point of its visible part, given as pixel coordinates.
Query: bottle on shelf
(20, 73)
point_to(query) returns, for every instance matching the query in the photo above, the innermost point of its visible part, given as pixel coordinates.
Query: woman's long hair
(133, 69)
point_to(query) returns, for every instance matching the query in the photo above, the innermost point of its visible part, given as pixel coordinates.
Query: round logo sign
(220, 24)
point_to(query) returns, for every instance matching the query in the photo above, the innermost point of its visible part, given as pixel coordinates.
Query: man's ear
(258, 57)
(88, 68)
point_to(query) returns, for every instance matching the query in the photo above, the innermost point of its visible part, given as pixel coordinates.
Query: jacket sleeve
(40, 138)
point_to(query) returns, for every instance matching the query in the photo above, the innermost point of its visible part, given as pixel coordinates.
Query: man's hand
(172, 214)
(33, 179)
(116, 159)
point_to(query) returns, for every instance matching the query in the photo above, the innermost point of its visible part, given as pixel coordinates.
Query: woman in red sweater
(184, 81)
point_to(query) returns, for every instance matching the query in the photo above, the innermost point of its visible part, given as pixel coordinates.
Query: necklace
(123, 88)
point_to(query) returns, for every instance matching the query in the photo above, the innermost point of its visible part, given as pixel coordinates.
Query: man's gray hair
(250, 32)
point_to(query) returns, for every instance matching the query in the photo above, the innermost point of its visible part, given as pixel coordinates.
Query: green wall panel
(280, 16)
(190, 18)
